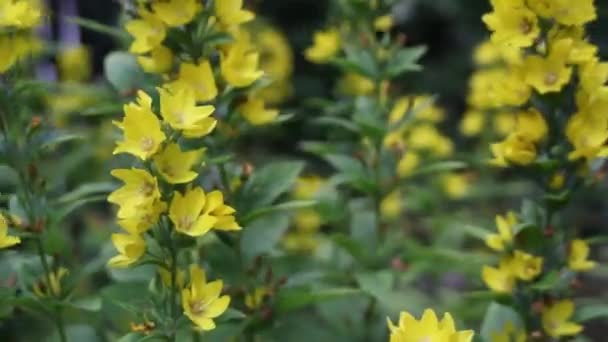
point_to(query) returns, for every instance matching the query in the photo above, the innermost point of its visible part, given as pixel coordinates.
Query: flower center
(146, 189)
(198, 308)
(186, 222)
(525, 26)
(550, 78)
(147, 144)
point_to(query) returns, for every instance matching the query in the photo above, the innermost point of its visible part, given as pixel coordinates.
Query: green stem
(225, 181)
(47, 278)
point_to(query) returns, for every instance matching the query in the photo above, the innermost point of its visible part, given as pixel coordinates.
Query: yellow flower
(587, 132)
(390, 206)
(141, 128)
(224, 214)
(355, 85)
(422, 108)
(255, 299)
(556, 317)
(159, 61)
(428, 328)
(5, 239)
(516, 149)
(427, 137)
(130, 248)
(581, 51)
(383, 23)
(186, 213)
(178, 107)
(526, 266)
(165, 277)
(326, 46)
(407, 164)
(532, 125)
(74, 64)
(199, 78)
(20, 13)
(276, 58)
(139, 192)
(53, 289)
(175, 165)
(487, 53)
(307, 220)
(302, 242)
(564, 11)
(578, 258)
(254, 112)
(307, 187)
(176, 12)
(239, 66)
(472, 123)
(148, 32)
(593, 76)
(512, 89)
(16, 47)
(231, 12)
(552, 73)
(504, 123)
(500, 279)
(505, 225)
(455, 185)
(144, 218)
(509, 334)
(201, 301)
(512, 23)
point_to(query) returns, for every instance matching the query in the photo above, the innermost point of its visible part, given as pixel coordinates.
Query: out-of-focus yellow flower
(582, 51)
(557, 181)
(391, 205)
(556, 317)
(355, 85)
(186, 213)
(504, 123)
(550, 74)
(224, 214)
(326, 45)
(239, 65)
(300, 242)
(504, 225)
(5, 239)
(176, 165)
(276, 58)
(74, 64)
(53, 288)
(254, 111)
(307, 187)
(255, 299)
(15, 48)
(130, 248)
(532, 125)
(407, 164)
(455, 185)
(472, 123)
(509, 334)
(231, 12)
(487, 53)
(428, 328)
(148, 32)
(139, 192)
(578, 258)
(159, 61)
(201, 301)
(593, 76)
(20, 13)
(514, 149)
(165, 277)
(307, 220)
(512, 23)
(141, 129)
(588, 134)
(383, 23)
(178, 107)
(427, 137)
(526, 266)
(199, 77)
(500, 279)
(564, 11)
(176, 12)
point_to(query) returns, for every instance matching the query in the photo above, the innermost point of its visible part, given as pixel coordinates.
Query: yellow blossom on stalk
(186, 213)
(487, 53)
(532, 125)
(587, 132)
(550, 74)
(581, 51)
(307, 220)
(176, 165)
(472, 123)
(593, 76)
(130, 248)
(512, 23)
(555, 319)
(504, 123)
(201, 301)
(355, 85)
(255, 299)
(148, 32)
(578, 258)
(165, 277)
(428, 328)
(505, 225)
(239, 65)
(16, 47)
(390, 206)
(178, 107)
(75, 64)
(516, 149)
(224, 214)
(408, 163)
(307, 187)
(427, 137)
(20, 13)
(303, 242)
(566, 12)
(500, 279)
(231, 12)
(198, 77)
(53, 288)
(455, 185)
(254, 111)
(176, 12)
(526, 266)
(141, 129)
(5, 239)
(276, 58)
(326, 45)
(139, 192)
(144, 218)
(159, 61)
(509, 334)
(383, 23)
(512, 89)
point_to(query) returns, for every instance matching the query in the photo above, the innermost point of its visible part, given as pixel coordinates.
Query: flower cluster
(18, 19)
(428, 328)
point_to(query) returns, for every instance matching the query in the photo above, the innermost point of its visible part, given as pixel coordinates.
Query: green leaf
(92, 304)
(476, 232)
(359, 61)
(591, 311)
(404, 60)
(69, 208)
(123, 72)
(286, 206)
(98, 27)
(379, 285)
(363, 228)
(496, 318)
(290, 299)
(86, 190)
(57, 138)
(439, 167)
(345, 163)
(333, 121)
(354, 248)
(261, 236)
